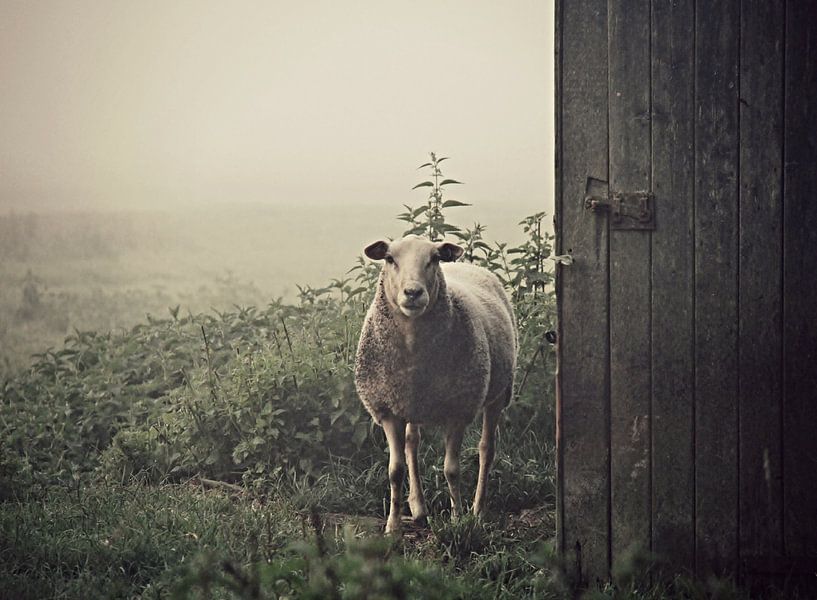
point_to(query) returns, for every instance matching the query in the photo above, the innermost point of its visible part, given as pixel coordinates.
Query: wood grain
(630, 411)
(800, 281)
(761, 259)
(716, 286)
(673, 536)
(583, 346)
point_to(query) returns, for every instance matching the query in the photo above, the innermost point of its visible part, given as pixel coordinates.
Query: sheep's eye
(390, 259)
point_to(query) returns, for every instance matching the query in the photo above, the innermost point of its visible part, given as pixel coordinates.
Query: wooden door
(687, 385)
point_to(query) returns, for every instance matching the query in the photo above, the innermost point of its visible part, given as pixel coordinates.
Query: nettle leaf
(447, 181)
(449, 203)
(428, 164)
(423, 184)
(439, 160)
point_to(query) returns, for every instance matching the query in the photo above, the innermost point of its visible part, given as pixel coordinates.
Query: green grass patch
(187, 540)
(121, 541)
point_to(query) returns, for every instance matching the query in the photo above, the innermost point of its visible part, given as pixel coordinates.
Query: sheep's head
(412, 275)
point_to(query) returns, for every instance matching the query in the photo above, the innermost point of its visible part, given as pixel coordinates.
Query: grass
(192, 540)
(154, 541)
(120, 541)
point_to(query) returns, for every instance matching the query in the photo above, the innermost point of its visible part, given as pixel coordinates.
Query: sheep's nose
(413, 293)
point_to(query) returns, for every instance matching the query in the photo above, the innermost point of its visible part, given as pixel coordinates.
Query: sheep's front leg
(487, 450)
(395, 430)
(417, 502)
(451, 467)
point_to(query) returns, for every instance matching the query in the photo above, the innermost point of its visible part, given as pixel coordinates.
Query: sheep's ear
(449, 252)
(377, 251)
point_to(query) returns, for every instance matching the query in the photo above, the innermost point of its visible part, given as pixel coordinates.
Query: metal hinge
(627, 210)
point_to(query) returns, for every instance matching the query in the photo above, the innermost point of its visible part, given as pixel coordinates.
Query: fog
(119, 104)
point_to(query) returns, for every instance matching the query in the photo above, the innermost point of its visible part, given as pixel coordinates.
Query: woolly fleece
(445, 365)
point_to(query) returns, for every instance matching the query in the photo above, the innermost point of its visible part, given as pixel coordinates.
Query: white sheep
(438, 344)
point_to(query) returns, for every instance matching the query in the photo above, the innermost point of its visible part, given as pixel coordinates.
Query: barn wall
(687, 384)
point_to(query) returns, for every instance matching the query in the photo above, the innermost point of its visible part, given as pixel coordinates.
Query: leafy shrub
(134, 454)
(285, 407)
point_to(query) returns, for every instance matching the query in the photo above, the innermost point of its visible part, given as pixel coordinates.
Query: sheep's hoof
(421, 521)
(418, 508)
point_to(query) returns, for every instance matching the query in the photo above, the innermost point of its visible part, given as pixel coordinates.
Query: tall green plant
(429, 219)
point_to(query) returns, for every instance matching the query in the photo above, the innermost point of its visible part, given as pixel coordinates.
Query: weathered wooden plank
(583, 436)
(629, 141)
(673, 498)
(760, 297)
(716, 288)
(800, 281)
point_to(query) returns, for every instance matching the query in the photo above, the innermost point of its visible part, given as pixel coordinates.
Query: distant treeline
(32, 236)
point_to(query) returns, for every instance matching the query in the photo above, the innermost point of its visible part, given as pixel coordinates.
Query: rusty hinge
(628, 210)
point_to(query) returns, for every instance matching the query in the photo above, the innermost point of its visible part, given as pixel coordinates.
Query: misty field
(60, 272)
(63, 271)
(188, 425)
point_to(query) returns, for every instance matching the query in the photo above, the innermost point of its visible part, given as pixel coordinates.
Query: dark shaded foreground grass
(186, 540)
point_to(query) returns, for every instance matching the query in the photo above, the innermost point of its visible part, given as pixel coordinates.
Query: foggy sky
(122, 104)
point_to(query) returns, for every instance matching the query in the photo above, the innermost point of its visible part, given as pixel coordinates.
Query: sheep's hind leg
(487, 450)
(417, 502)
(395, 430)
(451, 468)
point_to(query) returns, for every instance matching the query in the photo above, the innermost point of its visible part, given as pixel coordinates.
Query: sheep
(438, 344)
